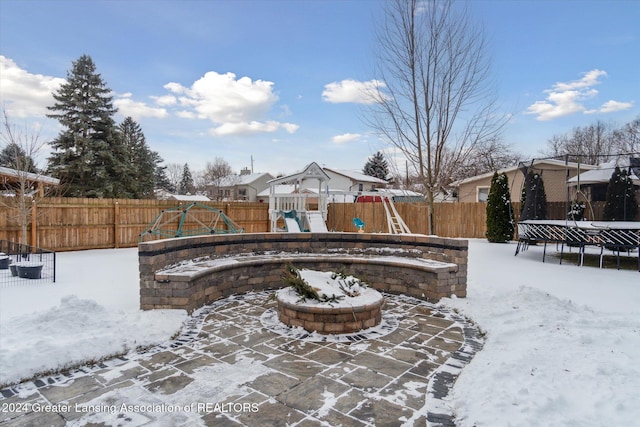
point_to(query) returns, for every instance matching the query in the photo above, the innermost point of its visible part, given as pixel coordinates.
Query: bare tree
(435, 103)
(628, 137)
(214, 174)
(595, 143)
(487, 156)
(174, 174)
(21, 181)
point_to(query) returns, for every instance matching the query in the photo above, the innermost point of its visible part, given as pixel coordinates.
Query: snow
(327, 285)
(561, 345)
(81, 317)
(561, 340)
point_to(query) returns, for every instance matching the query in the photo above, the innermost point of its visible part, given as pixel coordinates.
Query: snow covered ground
(561, 347)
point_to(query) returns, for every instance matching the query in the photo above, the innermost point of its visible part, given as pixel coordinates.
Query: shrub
(499, 219)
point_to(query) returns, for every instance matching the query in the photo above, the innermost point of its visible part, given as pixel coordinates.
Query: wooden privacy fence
(64, 224)
(76, 223)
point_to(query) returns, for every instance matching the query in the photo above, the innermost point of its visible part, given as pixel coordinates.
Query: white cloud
(566, 98)
(23, 94)
(612, 106)
(184, 114)
(589, 79)
(236, 106)
(346, 138)
(137, 110)
(165, 100)
(253, 127)
(352, 91)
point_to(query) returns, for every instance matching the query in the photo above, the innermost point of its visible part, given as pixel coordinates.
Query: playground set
(302, 210)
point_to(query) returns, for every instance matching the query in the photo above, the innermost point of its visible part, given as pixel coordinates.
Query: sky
(273, 85)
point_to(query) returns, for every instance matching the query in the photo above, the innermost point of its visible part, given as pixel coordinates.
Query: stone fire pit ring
(328, 319)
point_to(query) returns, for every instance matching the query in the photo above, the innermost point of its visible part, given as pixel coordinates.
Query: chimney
(245, 171)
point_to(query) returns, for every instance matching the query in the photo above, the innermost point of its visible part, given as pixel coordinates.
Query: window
(483, 194)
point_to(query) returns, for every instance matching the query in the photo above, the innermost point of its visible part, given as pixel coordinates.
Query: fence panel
(74, 223)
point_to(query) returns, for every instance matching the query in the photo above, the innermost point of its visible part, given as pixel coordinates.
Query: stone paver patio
(231, 366)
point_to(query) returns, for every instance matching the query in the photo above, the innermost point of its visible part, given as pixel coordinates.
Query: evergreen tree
(186, 182)
(13, 156)
(534, 200)
(376, 166)
(621, 204)
(88, 155)
(499, 220)
(142, 161)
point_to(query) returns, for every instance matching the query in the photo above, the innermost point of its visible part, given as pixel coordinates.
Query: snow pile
(333, 289)
(77, 331)
(561, 345)
(91, 312)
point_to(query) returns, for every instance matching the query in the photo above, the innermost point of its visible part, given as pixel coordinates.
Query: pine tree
(88, 155)
(13, 156)
(499, 221)
(376, 166)
(186, 183)
(142, 161)
(534, 200)
(621, 204)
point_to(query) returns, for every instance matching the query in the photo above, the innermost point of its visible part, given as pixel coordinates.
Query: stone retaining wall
(261, 257)
(330, 320)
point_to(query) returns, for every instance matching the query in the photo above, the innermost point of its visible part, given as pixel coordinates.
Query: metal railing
(24, 264)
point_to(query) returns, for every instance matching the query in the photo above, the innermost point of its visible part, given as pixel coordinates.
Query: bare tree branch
(435, 103)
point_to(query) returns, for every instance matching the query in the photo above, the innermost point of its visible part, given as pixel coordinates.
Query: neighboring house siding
(345, 181)
(242, 187)
(554, 176)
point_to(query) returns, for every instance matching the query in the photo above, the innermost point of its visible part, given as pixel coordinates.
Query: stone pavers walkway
(228, 369)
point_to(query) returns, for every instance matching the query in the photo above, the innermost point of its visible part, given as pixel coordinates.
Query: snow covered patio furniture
(188, 273)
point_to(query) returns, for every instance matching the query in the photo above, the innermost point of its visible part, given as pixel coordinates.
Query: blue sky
(279, 80)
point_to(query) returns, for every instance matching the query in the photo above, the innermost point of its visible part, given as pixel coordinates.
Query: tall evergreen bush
(621, 204)
(534, 198)
(499, 219)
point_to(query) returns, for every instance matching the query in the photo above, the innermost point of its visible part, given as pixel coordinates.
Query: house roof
(530, 163)
(247, 179)
(189, 198)
(14, 175)
(311, 171)
(601, 175)
(357, 176)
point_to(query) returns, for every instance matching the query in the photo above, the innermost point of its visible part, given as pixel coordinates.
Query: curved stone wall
(190, 272)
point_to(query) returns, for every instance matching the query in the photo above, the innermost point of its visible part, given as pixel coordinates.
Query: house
(246, 186)
(351, 181)
(10, 180)
(342, 185)
(554, 174)
(593, 184)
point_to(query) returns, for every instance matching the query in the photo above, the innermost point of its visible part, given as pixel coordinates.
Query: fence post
(34, 226)
(116, 223)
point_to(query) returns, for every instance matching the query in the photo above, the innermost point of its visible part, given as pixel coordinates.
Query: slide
(316, 222)
(291, 222)
(292, 225)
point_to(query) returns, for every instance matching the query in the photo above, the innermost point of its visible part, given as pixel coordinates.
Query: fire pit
(328, 303)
